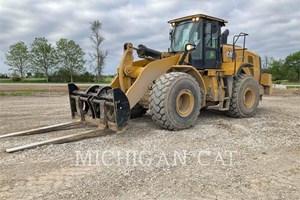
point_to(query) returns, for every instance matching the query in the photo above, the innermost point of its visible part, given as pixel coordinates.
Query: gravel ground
(219, 158)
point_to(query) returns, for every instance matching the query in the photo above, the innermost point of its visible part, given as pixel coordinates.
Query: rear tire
(245, 97)
(175, 101)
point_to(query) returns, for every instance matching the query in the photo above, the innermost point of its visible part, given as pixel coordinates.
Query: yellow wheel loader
(200, 70)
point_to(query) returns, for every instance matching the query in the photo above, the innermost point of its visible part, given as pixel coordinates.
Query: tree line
(63, 62)
(286, 69)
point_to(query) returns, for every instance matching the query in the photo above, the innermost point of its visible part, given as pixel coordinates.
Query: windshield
(185, 33)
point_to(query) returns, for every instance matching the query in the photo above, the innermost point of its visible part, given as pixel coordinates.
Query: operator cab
(202, 31)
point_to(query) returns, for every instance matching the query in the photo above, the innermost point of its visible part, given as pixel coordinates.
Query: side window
(185, 36)
(211, 40)
(214, 35)
(208, 35)
(196, 39)
(210, 54)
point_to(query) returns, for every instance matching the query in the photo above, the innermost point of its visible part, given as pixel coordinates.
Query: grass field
(25, 80)
(27, 89)
(22, 92)
(5, 80)
(106, 79)
(291, 85)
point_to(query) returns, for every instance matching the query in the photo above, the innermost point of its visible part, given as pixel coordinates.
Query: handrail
(235, 39)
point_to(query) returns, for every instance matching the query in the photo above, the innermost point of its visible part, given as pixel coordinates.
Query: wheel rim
(185, 102)
(249, 97)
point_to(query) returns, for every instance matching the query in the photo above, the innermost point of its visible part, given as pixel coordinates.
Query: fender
(194, 73)
(247, 68)
(148, 74)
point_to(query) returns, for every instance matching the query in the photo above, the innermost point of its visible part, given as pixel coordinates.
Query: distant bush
(4, 76)
(107, 79)
(16, 79)
(85, 77)
(62, 76)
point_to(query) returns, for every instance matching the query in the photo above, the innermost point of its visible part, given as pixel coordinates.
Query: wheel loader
(200, 70)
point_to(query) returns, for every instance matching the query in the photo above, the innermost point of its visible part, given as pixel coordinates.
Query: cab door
(212, 51)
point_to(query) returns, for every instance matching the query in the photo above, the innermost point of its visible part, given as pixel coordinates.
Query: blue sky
(273, 25)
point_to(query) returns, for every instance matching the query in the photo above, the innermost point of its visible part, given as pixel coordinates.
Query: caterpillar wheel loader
(200, 70)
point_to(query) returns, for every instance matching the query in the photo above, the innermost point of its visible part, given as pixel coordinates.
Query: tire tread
(158, 96)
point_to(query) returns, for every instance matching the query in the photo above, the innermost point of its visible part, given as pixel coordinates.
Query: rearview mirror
(171, 33)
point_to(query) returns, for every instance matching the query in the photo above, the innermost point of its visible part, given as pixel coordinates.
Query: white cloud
(273, 25)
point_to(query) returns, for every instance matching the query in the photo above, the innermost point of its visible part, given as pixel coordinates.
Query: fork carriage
(105, 107)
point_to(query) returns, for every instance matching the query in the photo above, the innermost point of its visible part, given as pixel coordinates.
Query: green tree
(71, 57)
(43, 57)
(292, 66)
(98, 56)
(277, 70)
(17, 58)
(287, 69)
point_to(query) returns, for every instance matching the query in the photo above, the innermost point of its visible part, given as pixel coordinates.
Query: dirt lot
(219, 158)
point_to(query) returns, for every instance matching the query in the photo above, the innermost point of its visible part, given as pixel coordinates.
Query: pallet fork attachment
(106, 108)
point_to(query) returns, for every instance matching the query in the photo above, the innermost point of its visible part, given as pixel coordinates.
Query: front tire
(175, 101)
(245, 97)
